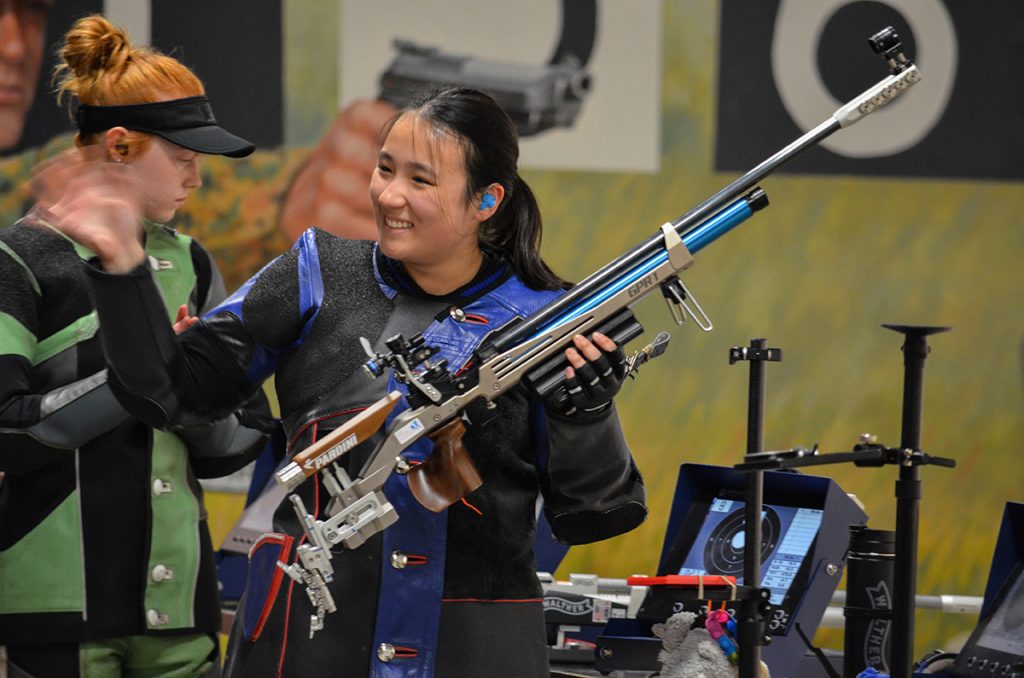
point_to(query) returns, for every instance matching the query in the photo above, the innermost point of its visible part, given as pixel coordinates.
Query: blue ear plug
(487, 202)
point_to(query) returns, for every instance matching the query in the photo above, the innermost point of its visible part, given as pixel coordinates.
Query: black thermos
(868, 611)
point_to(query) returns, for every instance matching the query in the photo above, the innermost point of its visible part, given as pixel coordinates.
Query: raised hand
(95, 203)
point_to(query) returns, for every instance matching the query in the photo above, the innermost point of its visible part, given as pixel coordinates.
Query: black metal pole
(908, 497)
(750, 625)
(750, 641)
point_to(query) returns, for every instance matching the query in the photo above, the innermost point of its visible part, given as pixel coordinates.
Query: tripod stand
(909, 458)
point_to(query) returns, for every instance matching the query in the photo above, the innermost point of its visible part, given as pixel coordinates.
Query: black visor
(188, 122)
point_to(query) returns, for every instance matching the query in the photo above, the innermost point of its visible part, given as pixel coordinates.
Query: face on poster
(22, 36)
(238, 80)
(618, 124)
(30, 35)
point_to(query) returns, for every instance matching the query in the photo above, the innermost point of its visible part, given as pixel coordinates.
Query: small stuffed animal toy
(690, 653)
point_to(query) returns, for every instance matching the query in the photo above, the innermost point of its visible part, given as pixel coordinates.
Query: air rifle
(528, 351)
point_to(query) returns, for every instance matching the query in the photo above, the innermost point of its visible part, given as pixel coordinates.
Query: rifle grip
(448, 474)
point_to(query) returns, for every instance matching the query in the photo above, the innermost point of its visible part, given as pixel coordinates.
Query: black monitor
(996, 647)
(806, 525)
(1004, 630)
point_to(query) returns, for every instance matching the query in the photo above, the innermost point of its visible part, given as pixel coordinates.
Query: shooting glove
(591, 389)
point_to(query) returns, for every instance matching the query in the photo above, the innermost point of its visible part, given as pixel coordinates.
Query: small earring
(487, 202)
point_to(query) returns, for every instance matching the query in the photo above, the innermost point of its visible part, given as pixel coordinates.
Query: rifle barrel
(692, 220)
(707, 232)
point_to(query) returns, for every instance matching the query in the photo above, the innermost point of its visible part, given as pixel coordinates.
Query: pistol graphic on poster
(536, 97)
(529, 351)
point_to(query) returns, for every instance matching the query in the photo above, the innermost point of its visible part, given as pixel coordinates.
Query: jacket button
(161, 573)
(399, 560)
(160, 486)
(156, 618)
(386, 652)
(457, 314)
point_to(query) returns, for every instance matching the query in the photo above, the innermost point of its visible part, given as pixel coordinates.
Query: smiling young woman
(447, 594)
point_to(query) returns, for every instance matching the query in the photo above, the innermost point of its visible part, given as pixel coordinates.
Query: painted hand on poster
(331, 190)
(22, 32)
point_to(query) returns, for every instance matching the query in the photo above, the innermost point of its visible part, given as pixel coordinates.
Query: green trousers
(189, 656)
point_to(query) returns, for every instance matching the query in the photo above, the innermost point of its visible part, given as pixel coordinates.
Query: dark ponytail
(492, 153)
(515, 230)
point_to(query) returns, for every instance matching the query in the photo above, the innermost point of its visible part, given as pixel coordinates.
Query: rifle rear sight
(426, 385)
(401, 354)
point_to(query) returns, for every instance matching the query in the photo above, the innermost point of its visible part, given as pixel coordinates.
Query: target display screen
(787, 534)
(804, 533)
